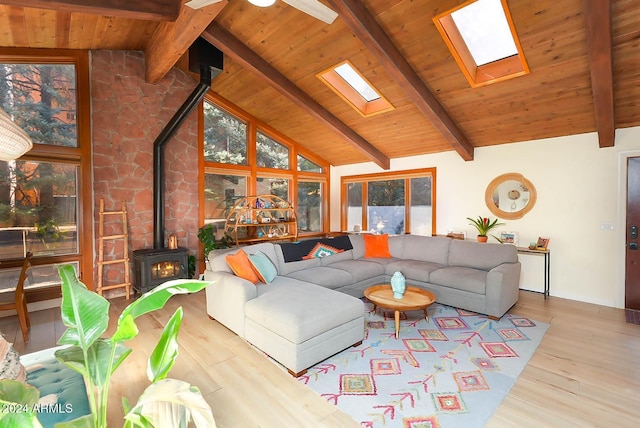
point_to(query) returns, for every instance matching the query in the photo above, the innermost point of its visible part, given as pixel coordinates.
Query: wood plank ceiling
(585, 71)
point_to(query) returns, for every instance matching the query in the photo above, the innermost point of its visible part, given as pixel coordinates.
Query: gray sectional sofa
(313, 309)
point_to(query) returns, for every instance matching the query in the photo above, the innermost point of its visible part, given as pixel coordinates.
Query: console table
(547, 264)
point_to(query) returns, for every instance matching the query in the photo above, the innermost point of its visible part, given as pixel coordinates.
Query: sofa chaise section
(295, 322)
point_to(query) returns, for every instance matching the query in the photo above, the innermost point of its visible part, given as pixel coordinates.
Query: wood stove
(154, 266)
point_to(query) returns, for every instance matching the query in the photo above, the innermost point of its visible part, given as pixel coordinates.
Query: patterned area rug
(453, 371)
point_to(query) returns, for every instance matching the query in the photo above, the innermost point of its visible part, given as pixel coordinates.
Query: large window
(305, 164)
(309, 206)
(270, 153)
(41, 199)
(385, 206)
(225, 137)
(394, 203)
(244, 157)
(221, 192)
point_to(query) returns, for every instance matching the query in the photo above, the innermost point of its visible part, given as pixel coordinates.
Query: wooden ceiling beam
(597, 15)
(362, 23)
(172, 39)
(235, 49)
(151, 10)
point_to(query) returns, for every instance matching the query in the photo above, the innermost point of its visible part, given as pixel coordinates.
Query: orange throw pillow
(376, 246)
(241, 266)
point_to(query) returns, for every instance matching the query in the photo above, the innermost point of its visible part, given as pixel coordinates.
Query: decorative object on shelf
(398, 285)
(483, 225)
(173, 242)
(542, 244)
(14, 142)
(266, 217)
(509, 238)
(456, 235)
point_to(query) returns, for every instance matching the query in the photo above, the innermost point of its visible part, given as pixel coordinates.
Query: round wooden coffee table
(414, 298)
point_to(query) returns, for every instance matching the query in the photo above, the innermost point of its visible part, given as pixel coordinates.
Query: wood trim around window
(80, 156)
(383, 176)
(477, 76)
(252, 171)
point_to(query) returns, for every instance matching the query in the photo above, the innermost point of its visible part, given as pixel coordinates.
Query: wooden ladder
(125, 253)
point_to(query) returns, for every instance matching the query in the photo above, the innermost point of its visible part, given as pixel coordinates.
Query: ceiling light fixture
(14, 142)
(262, 3)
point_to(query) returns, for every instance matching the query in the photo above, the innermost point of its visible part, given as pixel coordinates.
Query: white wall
(579, 187)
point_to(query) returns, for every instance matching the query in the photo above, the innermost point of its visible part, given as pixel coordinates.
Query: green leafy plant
(86, 316)
(484, 224)
(191, 265)
(18, 400)
(207, 235)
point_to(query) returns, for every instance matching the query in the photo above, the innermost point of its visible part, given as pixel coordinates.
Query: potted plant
(207, 235)
(484, 225)
(86, 316)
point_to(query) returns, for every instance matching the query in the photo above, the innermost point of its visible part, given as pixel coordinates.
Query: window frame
(493, 72)
(252, 171)
(350, 95)
(405, 175)
(79, 156)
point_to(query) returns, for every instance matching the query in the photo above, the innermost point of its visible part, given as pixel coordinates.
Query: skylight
(484, 28)
(482, 38)
(357, 82)
(350, 85)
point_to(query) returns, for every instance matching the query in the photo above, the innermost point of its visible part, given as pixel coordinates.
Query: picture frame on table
(507, 237)
(542, 243)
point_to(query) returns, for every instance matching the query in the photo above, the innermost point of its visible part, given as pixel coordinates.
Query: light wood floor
(585, 373)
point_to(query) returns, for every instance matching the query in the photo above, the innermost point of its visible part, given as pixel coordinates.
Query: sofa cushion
(285, 268)
(265, 269)
(339, 257)
(376, 246)
(357, 242)
(413, 269)
(218, 262)
(360, 270)
(460, 278)
(301, 312)
(481, 256)
(323, 275)
(425, 248)
(396, 243)
(241, 266)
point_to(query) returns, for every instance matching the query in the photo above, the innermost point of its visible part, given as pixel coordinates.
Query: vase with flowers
(484, 225)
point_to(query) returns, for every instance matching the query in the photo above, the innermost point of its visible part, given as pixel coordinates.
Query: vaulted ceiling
(585, 69)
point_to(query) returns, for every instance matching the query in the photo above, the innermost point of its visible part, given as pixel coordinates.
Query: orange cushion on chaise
(241, 266)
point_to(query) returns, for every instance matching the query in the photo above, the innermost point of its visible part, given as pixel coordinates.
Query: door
(632, 262)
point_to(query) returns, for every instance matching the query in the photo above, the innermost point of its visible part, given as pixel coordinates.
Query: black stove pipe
(158, 152)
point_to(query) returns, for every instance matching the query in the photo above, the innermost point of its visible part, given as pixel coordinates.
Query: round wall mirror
(510, 196)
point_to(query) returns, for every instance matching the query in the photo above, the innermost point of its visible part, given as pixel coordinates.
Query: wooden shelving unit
(261, 218)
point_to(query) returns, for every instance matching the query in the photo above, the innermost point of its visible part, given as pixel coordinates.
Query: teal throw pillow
(263, 267)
